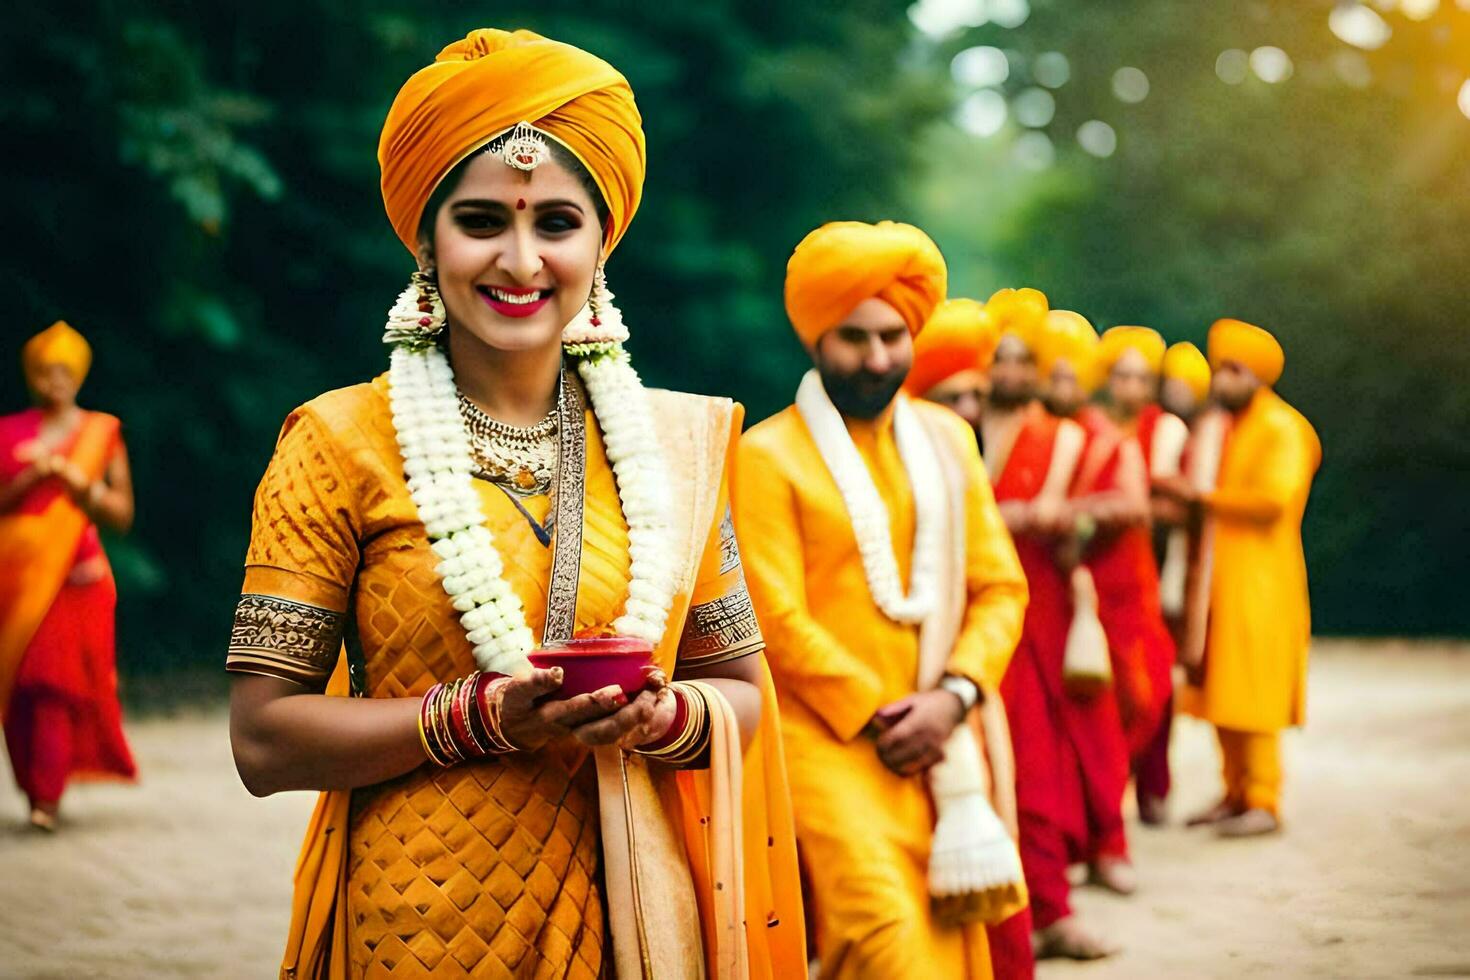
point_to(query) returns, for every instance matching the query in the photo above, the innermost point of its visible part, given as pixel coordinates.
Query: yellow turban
(1067, 336)
(843, 263)
(1185, 362)
(57, 344)
(960, 336)
(478, 88)
(1116, 340)
(1236, 340)
(1018, 311)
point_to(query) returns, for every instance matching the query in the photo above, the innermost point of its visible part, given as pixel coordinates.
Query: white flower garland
(865, 507)
(436, 461)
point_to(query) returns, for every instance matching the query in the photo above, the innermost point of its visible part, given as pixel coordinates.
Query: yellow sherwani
(1260, 620)
(863, 831)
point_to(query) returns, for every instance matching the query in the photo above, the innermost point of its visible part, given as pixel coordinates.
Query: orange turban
(482, 86)
(843, 263)
(1236, 340)
(1185, 362)
(960, 336)
(57, 344)
(1018, 311)
(1067, 336)
(1116, 340)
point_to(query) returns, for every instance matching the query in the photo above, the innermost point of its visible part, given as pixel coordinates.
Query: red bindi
(520, 204)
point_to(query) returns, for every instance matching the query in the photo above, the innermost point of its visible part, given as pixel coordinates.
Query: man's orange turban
(843, 263)
(1185, 362)
(1236, 340)
(1115, 340)
(482, 86)
(1018, 311)
(57, 344)
(959, 336)
(1067, 336)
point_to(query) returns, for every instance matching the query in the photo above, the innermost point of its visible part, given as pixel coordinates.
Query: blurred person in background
(1252, 682)
(1126, 567)
(510, 482)
(63, 472)
(1032, 457)
(891, 599)
(1108, 498)
(1183, 392)
(952, 357)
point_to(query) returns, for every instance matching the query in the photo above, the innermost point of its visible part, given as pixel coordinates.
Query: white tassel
(1086, 667)
(971, 850)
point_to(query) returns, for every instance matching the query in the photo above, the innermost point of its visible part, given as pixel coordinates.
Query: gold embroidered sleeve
(721, 624)
(282, 638)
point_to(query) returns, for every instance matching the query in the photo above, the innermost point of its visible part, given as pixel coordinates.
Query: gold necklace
(522, 459)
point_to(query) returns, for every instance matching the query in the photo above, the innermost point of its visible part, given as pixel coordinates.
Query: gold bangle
(691, 742)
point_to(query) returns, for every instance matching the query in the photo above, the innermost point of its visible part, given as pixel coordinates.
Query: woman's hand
(641, 720)
(601, 718)
(665, 710)
(76, 482)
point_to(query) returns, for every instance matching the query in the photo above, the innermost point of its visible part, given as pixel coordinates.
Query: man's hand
(915, 730)
(1176, 487)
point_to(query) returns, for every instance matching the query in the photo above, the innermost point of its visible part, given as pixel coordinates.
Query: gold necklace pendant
(520, 458)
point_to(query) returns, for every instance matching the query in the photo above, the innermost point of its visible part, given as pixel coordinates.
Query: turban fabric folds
(482, 86)
(1067, 336)
(843, 263)
(1116, 340)
(959, 336)
(1021, 312)
(57, 344)
(1184, 362)
(1236, 340)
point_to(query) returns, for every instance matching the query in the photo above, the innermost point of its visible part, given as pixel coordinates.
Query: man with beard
(1032, 458)
(1124, 565)
(891, 600)
(1259, 629)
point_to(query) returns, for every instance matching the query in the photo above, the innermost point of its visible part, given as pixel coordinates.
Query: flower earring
(599, 323)
(417, 319)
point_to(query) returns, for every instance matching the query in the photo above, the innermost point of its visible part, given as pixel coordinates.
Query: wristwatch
(963, 688)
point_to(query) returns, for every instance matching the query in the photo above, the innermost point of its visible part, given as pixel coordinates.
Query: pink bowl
(590, 665)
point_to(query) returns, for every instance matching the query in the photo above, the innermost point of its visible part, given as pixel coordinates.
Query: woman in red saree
(63, 471)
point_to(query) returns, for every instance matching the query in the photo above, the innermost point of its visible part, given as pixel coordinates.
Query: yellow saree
(515, 865)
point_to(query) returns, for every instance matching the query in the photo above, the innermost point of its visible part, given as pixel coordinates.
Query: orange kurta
(490, 867)
(1260, 616)
(865, 832)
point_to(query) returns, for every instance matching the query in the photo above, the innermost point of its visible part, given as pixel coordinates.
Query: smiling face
(514, 257)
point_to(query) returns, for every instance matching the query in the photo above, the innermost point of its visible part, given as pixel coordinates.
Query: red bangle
(676, 727)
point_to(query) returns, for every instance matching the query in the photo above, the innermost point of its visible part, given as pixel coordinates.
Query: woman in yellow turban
(63, 472)
(509, 484)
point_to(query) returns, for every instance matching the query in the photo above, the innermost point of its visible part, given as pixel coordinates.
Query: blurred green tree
(196, 190)
(1330, 207)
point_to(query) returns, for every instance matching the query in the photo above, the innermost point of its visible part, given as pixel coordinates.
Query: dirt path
(188, 876)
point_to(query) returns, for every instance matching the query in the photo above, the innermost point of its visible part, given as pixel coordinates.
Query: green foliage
(195, 187)
(1332, 214)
